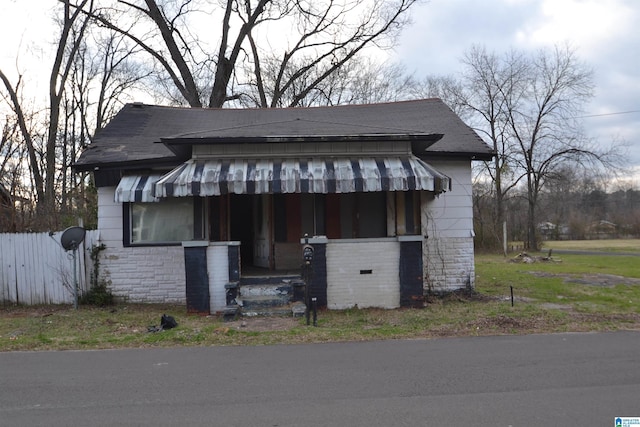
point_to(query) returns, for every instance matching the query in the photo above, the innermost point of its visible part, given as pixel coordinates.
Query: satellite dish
(72, 237)
(70, 240)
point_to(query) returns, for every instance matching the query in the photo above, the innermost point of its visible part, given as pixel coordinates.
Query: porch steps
(281, 311)
(267, 296)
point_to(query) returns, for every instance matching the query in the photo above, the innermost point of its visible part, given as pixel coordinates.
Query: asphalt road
(537, 380)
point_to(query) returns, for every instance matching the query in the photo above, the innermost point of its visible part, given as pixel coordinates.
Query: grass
(613, 245)
(565, 280)
(548, 298)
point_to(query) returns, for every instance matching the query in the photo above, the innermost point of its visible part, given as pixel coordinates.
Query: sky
(605, 33)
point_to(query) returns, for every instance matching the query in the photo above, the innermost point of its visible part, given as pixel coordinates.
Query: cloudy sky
(605, 33)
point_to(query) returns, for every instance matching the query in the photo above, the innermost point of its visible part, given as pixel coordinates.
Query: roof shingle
(133, 134)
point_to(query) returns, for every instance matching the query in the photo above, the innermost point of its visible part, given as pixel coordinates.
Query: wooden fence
(35, 269)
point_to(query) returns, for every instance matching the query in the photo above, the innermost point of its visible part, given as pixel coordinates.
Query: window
(169, 221)
(338, 216)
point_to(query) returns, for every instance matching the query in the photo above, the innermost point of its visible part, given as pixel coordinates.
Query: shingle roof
(133, 134)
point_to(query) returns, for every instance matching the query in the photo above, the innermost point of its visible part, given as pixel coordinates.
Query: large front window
(172, 220)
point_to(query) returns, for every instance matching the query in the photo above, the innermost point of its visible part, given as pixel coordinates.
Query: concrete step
(263, 301)
(267, 280)
(270, 296)
(283, 310)
(275, 289)
(298, 309)
(231, 312)
(295, 309)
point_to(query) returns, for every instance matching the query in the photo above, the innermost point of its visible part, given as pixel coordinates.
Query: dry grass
(553, 297)
(617, 245)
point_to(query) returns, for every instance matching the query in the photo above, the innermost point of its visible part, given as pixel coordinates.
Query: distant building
(602, 229)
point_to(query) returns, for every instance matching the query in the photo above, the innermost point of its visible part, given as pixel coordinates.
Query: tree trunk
(219, 91)
(532, 240)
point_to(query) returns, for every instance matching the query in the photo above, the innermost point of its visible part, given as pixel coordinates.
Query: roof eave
(128, 164)
(181, 146)
(480, 156)
(279, 139)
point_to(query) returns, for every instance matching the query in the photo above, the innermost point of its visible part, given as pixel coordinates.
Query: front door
(262, 230)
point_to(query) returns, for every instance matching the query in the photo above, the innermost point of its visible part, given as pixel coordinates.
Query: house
(190, 201)
(602, 229)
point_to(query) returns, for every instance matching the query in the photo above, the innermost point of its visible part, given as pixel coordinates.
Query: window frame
(199, 226)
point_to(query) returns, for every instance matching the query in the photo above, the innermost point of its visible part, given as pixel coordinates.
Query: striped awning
(298, 175)
(136, 188)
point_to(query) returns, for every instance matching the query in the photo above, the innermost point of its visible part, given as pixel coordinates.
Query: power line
(609, 114)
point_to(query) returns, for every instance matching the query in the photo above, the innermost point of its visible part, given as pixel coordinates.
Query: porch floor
(253, 271)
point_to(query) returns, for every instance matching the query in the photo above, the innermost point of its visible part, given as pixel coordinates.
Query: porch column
(223, 261)
(411, 283)
(196, 276)
(209, 266)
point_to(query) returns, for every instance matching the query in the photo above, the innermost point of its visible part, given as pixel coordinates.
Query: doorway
(250, 223)
(241, 225)
(262, 231)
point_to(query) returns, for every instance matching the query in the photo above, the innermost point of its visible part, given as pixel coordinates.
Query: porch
(345, 273)
(245, 217)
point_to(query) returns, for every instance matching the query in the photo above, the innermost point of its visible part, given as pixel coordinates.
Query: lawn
(570, 293)
(617, 245)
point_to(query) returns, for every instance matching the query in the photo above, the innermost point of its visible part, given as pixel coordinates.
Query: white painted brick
(145, 274)
(218, 269)
(448, 263)
(346, 287)
(156, 274)
(447, 220)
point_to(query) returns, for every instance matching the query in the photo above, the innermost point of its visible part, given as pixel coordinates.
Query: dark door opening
(241, 225)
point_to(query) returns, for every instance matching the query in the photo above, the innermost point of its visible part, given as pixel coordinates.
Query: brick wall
(139, 274)
(450, 264)
(447, 221)
(346, 287)
(218, 268)
(156, 274)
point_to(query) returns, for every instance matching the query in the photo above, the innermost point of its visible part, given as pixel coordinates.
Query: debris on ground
(525, 258)
(166, 322)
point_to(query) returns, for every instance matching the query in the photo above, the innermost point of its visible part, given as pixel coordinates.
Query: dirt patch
(264, 324)
(554, 306)
(33, 311)
(459, 295)
(507, 323)
(603, 280)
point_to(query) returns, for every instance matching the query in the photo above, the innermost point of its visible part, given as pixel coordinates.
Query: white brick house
(191, 199)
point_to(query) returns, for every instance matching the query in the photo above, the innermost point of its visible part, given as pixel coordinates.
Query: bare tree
(14, 100)
(359, 81)
(489, 83)
(527, 107)
(371, 82)
(11, 153)
(73, 26)
(89, 79)
(543, 123)
(114, 67)
(274, 52)
(447, 88)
